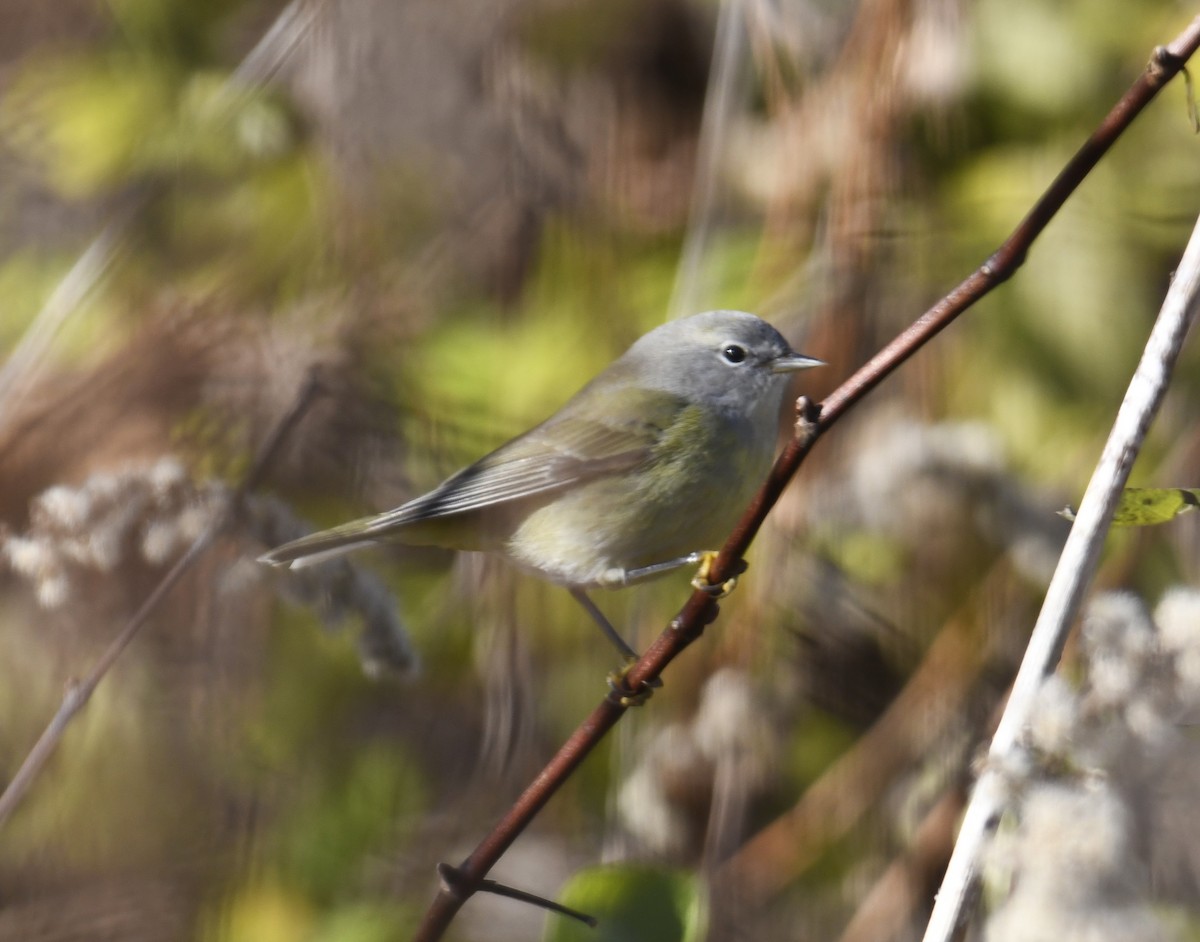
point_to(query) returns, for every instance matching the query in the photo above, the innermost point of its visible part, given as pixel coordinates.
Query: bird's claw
(714, 590)
(622, 694)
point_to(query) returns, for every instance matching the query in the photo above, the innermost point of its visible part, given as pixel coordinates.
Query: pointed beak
(794, 362)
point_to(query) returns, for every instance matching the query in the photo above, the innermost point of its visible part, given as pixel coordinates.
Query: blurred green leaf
(1030, 52)
(179, 29)
(84, 120)
(814, 745)
(1147, 506)
(869, 557)
(94, 123)
(365, 923)
(578, 35)
(632, 904)
(328, 832)
(262, 912)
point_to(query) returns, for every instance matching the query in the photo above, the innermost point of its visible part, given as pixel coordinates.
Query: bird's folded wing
(549, 457)
(615, 436)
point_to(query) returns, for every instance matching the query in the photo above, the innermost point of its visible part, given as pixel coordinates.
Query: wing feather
(535, 463)
(564, 450)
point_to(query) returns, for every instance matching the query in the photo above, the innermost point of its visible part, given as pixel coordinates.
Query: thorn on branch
(456, 884)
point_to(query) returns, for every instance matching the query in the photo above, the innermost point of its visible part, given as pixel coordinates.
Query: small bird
(644, 470)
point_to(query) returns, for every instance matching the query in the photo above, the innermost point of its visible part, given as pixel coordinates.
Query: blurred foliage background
(457, 211)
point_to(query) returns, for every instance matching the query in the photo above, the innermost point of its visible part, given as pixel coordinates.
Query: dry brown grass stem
(79, 692)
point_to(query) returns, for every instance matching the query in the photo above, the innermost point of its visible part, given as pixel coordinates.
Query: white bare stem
(1075, 569)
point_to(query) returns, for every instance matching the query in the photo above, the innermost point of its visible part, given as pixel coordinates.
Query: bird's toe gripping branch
(715, 590)
(621, 693)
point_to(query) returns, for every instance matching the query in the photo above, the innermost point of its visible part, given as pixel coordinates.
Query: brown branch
(78, 692)
(701, 609)
(908, 882)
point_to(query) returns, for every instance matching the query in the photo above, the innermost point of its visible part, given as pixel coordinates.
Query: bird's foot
(621, 693)
(701, 580)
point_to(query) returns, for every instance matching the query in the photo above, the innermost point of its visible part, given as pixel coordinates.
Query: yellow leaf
(1146, 506)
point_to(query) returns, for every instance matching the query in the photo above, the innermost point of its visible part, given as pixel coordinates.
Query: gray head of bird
(735, 361)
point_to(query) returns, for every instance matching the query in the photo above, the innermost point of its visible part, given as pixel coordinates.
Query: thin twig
(76, 286)
(79, 692)
(701, 609)
(259, 67)
(450, 881)
(725, 80)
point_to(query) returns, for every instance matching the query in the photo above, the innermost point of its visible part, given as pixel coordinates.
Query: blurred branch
(714, 133)
(76, 286)
(905, 885)
(701, 609)
(79, 692)
(928, 706)
(1071, 578)
(259, 66)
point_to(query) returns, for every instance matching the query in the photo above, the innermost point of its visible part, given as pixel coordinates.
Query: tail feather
(317, 548)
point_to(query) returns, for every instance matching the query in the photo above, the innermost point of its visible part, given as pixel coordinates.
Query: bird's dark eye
(733, 353)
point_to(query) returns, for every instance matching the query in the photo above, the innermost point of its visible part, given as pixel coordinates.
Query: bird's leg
(705, 558)
(616, 679)
(628, 576)
(609, 631)
(615, 578)
(700, 580)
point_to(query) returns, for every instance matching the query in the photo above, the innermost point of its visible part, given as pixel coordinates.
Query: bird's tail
(318, 547)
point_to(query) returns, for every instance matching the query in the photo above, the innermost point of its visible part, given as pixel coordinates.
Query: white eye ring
(733, 353)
